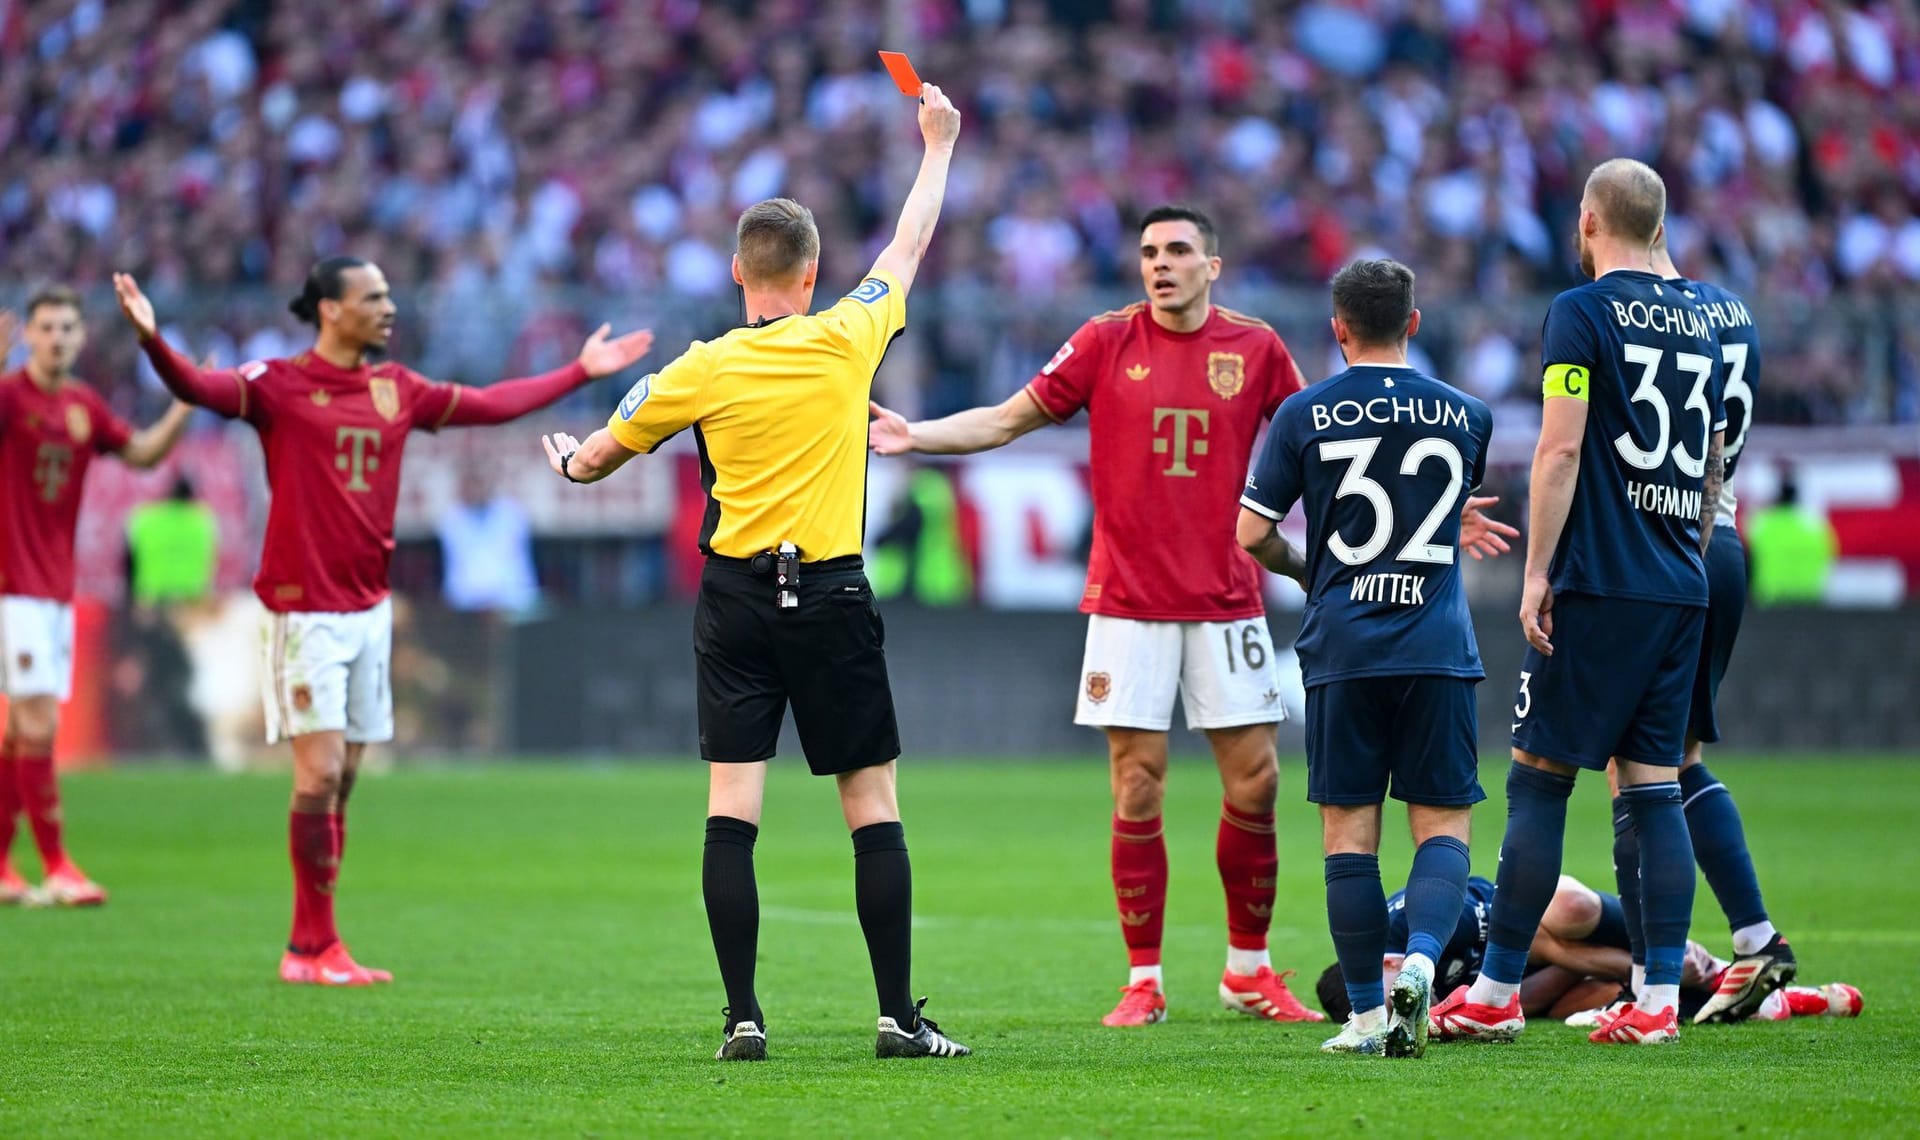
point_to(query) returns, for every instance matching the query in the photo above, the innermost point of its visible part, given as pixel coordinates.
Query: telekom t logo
(50, 470)
(351, 444)
(1185, 441)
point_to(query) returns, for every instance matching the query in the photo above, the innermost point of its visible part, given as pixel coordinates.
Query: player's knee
(1574, 908)
(1138, 791)
(317, 784)
(1254, 792)
(32, 722)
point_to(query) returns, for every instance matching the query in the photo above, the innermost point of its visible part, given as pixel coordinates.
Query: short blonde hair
(1629, 197)
(775, 240)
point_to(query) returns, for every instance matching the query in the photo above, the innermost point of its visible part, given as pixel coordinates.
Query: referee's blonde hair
(775, 241)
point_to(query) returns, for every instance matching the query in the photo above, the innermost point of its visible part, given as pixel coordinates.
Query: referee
(778, 410)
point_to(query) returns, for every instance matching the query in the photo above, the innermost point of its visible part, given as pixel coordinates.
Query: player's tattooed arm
(1716, 479)
(1259, 537)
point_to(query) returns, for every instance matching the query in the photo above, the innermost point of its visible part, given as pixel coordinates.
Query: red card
(904, 77)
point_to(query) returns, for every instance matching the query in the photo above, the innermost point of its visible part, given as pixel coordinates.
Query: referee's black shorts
(826, 657)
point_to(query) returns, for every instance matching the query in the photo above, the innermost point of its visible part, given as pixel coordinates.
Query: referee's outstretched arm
(940, 127)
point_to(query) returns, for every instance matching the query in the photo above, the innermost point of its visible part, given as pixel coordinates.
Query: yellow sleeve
(868, 318)
(662, 404)
(1567, 380)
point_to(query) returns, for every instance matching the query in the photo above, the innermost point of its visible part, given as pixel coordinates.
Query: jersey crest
(79, 425)
(386, 397)
(1226, 373)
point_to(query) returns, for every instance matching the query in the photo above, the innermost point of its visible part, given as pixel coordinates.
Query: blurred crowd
(491, 151)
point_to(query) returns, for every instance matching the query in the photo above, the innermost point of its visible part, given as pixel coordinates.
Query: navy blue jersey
(1739, 339)
(1646, 361)
(1382, 457)
(1460, 958)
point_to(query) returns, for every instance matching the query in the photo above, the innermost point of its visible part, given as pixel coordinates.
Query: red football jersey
(1173, 418)
(47, 441)
(333, 440)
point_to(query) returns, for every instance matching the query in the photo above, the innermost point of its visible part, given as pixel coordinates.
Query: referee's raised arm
(940, 127)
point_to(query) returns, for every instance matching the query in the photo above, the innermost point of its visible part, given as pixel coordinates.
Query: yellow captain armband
(1567, 380)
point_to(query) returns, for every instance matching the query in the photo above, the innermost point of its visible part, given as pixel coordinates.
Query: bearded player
(333, 426)
(1176, 389)
(51, 427)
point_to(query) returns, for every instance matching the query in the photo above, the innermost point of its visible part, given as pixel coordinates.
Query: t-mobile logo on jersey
(351, 443)
(51, 465)
(1185, 441)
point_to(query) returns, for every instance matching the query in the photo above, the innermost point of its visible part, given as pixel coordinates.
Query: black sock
(883, 893)
(733, 912)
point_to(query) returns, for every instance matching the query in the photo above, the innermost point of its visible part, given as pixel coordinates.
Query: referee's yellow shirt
(779, 411)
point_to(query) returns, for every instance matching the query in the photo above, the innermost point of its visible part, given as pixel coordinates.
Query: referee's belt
(761, 564)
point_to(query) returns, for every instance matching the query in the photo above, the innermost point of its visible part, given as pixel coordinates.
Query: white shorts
(329, 673)
(1223, 671)
(36, 647)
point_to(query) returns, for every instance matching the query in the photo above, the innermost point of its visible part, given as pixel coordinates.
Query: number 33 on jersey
(1382, 458)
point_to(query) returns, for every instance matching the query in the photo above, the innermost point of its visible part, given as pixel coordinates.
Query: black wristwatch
(564, 460)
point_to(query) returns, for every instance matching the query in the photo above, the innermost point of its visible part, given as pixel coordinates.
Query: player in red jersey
(51, 427)
(333, 428)
(1176, 390)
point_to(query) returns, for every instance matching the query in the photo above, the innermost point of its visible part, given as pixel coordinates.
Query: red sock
(9, 799)
(1248, 864)
(1804, 1001)
(39, 795)
(1140, 886)
(312, 841)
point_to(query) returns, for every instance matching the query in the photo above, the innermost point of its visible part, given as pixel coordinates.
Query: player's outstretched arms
(223, 392)
(1480, 535)
(587, 462)
(1259, 537)
(511, 399)
(940, 127)
(151, 444)
(963, 433)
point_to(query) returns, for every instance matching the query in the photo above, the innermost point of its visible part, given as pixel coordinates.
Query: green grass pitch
(555, 978)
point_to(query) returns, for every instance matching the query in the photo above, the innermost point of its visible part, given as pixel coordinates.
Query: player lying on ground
(333, 425)
(1765, 962)
(51, 427)
(1381, 460)
(1175, 389)
(1579, 962)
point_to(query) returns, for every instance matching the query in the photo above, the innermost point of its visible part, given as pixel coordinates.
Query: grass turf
(555, 977)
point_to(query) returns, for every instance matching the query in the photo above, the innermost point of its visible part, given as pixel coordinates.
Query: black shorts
(1619, 683)
(826, 657)
(1419, 734)
(1726, 605)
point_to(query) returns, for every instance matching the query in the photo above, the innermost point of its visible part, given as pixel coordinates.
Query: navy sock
(1529, 868)
(1666, 876)
(1720, 847)
(1357, 918)
(1436, 890)
(1626, 878)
